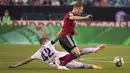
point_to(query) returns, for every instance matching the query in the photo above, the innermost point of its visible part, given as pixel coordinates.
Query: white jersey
(46, 53)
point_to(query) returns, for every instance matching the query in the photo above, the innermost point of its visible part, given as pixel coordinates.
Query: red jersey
(68, 25)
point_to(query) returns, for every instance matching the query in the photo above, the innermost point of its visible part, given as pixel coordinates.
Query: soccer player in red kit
(65, 35)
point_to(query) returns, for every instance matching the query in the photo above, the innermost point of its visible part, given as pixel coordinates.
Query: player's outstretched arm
(80, 17)
(56, 38)
(23, 62)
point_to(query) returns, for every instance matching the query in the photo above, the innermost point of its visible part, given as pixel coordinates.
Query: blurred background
(26, 21)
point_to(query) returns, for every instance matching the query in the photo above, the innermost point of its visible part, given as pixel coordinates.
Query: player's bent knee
(75, 55)
(76, 50)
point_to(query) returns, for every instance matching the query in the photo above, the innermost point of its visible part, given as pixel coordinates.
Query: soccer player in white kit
(48, 53)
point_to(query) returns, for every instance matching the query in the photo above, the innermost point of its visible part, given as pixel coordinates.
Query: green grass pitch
(12, 54)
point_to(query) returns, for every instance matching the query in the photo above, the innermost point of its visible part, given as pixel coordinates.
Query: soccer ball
(119, 61)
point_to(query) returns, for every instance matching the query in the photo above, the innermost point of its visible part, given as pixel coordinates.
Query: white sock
(88, 50)
(88, 66)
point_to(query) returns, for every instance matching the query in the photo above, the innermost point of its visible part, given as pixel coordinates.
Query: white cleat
(63, 68)
(57, 62)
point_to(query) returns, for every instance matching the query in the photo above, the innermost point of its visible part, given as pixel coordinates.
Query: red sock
(63, 58)
(67, 59)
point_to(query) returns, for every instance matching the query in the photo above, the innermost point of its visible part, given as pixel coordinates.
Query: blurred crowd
(95, 3)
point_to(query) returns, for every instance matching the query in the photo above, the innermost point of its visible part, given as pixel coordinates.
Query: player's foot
(56, 61)
(95, 66)
(12, 67)
(63, 68)
(100, 48)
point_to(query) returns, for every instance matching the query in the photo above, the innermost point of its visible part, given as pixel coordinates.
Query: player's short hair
(6, 11)
(77, 5)
(42, 40)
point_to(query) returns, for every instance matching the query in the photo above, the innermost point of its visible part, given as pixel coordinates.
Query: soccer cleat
(63, 68)
(100, 48)
(56, 61)
(95, 66)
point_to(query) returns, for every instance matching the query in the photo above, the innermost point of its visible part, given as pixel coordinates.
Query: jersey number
(48, 52)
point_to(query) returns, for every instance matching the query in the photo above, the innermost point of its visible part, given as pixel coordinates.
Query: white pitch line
(102, 61)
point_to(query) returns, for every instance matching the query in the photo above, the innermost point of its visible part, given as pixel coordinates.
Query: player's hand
(12, 67)
(75, 33)
(89, 16)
